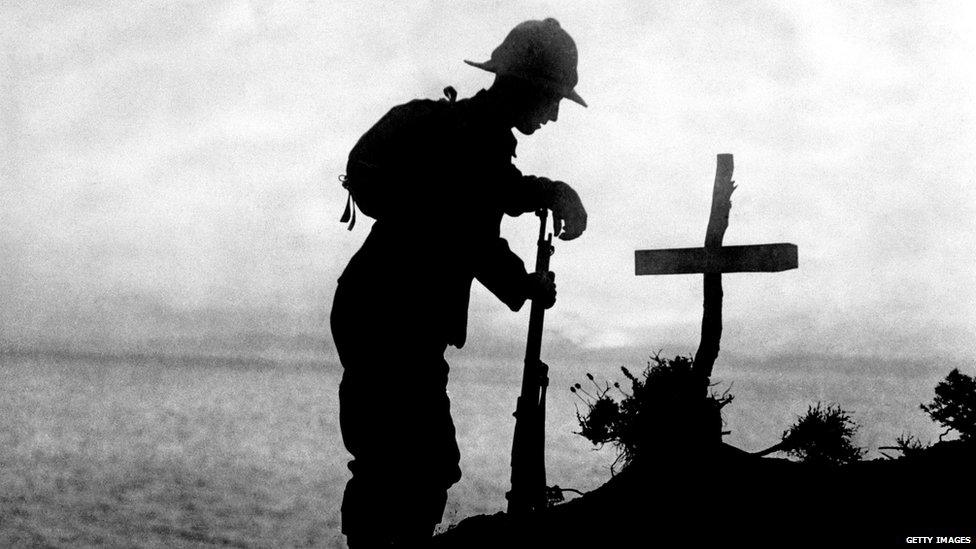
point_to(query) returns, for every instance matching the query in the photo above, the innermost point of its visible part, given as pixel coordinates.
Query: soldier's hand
(542, 288)
(568, 214)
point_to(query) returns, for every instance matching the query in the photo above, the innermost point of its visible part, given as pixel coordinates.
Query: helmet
(540, 52)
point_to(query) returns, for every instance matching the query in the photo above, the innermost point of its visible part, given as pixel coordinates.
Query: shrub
(910, 445)
(954, 405)
(668, 408)
(823, 436)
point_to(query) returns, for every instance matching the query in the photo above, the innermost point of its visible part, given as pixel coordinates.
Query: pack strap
(450, 93)
(349, 215)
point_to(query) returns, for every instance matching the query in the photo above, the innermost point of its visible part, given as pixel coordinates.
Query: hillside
(727, 495)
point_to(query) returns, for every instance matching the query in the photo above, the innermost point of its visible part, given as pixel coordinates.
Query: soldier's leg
(397, 426)
(431, 462)
(395, 421)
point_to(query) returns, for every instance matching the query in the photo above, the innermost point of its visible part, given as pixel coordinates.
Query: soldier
(438, 177)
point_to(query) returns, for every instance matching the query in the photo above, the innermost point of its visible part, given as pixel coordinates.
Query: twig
(613, 470)
(782, 446)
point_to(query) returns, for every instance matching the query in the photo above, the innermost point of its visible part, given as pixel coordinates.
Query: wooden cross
(715, 259)
(766, 258)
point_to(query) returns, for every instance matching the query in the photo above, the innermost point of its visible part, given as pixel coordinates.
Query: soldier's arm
(500, 270)
(528, 193)
(524, 193)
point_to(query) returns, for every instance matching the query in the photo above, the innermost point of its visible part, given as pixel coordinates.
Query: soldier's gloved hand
(568, 214)
(541, 288)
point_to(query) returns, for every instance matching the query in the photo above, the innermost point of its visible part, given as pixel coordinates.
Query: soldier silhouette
(438, 177)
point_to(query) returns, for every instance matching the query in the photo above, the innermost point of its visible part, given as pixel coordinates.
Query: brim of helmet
(574, 97)
(568, 94)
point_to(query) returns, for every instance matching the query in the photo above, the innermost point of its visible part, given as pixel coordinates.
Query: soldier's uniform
(404, 297)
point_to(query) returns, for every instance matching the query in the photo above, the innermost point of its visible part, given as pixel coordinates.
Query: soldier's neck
(497, 106)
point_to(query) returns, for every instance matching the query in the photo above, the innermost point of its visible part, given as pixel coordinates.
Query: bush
(823, 436)
(954, 405)
(910, 445)
(668, 408)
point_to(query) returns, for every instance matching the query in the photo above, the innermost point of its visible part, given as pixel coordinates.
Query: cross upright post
(714, 259)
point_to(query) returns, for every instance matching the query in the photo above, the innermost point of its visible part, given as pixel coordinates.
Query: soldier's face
(541, 107)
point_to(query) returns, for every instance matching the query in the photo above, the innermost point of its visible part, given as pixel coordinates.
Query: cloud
(186, 156)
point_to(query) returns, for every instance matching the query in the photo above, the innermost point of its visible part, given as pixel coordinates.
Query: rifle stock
(528, 492)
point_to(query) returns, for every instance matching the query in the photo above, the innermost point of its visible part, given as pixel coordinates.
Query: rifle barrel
(528, 446)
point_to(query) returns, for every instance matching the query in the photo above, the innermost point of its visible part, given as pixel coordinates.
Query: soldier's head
(535, 68)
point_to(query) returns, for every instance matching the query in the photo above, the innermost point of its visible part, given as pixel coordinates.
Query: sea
(163, 451)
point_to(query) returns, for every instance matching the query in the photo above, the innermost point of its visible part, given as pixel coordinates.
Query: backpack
(385, 155)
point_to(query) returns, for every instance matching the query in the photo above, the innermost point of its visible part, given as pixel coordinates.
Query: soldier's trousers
(395, 418)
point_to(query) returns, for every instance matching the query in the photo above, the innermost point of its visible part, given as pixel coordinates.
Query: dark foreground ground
(731, 497)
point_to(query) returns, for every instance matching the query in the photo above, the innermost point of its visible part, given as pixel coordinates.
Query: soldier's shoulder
(417, 110)
(401, 121)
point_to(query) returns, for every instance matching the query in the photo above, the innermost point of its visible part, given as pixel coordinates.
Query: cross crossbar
(768, 258)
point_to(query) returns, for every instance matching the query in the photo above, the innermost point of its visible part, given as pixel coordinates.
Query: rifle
(528, 491)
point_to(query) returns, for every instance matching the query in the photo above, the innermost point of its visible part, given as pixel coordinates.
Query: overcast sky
(168, 171)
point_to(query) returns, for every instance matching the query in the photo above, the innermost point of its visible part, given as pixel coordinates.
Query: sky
(169, 171)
